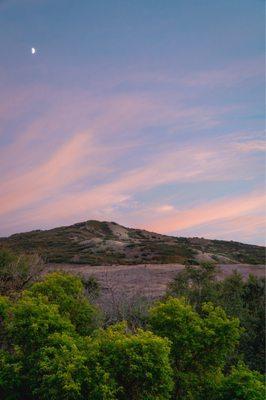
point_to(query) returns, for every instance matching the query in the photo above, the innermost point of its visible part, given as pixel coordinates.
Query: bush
(46, 353)
(68, 368)
(240, 298)
(243, 384)
(67, 292)
(17, 271)
(92, 286)
(138, 363)
(33, 319)
(201, 344)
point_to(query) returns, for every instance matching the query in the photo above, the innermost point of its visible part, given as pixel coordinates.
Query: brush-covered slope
(104, 243)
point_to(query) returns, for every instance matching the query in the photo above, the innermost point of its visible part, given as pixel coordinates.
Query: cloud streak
(98, 153)
(52, 181)
(218, 210)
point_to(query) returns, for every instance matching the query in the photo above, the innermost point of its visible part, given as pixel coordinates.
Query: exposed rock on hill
(105, 243)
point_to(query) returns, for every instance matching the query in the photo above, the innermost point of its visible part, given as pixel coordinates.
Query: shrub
(244, 299)
(67, 292)
(32, 320)
(201, 344)
(17, 271)
(138, 363)
(69, 369)
(243, 384)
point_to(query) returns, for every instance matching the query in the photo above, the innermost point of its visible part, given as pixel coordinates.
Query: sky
(149, 113)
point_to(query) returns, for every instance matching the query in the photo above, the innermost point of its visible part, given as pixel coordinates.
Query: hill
(106, 243)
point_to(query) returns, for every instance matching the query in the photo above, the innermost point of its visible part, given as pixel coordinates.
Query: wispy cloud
(79, 158)
(219, 210)
(248, 228)
(76, 154)
(229, 75)
(252, 145)
(57, 172)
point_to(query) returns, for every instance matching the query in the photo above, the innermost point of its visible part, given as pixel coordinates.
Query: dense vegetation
(55, 344)
(106, 243)
(244, 299)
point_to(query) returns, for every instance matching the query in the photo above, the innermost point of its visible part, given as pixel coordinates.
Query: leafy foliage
(52, 345)
(69, 368)
(239, 298)
(92, 286)
(67, 292)
(201, 344)
(242, 384)
(46, 352)
(195, 283)
(139, 363)
(32, 320)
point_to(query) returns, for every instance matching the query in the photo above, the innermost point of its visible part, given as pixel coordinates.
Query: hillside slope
(105, 243)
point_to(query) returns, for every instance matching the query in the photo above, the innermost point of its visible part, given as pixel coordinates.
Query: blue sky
(148, 113)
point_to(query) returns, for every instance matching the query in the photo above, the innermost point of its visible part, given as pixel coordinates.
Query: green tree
(43, 356)
(252, 343)
(67, 292)
(230, 294)
(92, 286)
(10, 376)
(68, 368)
(50, 349)
(201, 343)
(244, 299)
(242, 384)
(138, 363)
(32, 320)
(197, 283)
(5, 305)
(26, 330)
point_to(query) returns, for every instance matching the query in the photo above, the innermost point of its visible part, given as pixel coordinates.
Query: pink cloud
(248, 228)
(103, 118)
(229, 75)
(252, 145)
(60, 170)
(189, 164)
(213, 211)
(36, 186)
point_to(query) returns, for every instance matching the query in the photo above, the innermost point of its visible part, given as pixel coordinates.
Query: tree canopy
(55, 345)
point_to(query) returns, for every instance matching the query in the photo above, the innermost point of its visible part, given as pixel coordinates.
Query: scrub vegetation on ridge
(106, 243)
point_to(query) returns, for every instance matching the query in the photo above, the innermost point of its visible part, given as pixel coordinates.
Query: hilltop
(106, 243)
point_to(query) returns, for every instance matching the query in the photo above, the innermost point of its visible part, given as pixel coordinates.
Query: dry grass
(147, 280)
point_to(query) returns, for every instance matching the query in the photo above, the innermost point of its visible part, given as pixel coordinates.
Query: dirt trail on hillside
(149, 280)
